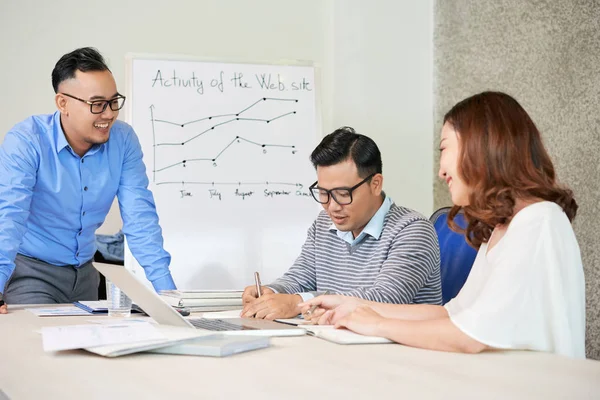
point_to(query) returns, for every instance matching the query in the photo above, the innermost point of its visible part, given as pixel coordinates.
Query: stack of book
(203, 300)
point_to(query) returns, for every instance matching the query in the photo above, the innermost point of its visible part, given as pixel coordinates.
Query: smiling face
(449, 159)
(82, 128)
(366, 199)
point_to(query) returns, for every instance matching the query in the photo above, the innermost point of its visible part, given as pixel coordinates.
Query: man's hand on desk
(250, 294)
(273, 305)
(3, 307)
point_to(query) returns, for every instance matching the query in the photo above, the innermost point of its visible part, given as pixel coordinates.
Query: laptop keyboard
(216, 324)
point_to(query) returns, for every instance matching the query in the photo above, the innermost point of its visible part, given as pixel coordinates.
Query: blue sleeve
(18, 173)
(140, 221)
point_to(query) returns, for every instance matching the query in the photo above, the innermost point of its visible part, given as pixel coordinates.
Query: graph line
(223, 123)
(213, 159)
(225, 115)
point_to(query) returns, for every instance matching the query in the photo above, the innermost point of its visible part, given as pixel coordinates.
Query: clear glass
(119, 304)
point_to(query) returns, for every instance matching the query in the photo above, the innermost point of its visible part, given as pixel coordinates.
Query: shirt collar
(373, 228)
(61, 139)
(59, 134)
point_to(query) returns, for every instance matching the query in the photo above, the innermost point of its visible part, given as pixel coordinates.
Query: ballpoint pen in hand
(311, 310)
(257, 282)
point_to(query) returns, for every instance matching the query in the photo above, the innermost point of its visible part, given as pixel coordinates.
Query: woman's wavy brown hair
(502, 158)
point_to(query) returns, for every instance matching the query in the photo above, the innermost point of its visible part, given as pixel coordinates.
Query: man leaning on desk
(361, 245)
(59, 175)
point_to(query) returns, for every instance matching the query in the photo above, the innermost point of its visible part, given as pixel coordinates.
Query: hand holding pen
(254, 292)
(309, 314)
(257, 284)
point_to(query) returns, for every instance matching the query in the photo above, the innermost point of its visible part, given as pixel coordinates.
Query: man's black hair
(84, 59)
(343, 144)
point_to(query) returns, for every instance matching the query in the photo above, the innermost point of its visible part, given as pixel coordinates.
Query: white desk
(292, 368)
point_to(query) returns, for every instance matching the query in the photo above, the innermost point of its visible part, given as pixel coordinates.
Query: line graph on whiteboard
(246, 135)
(223, 119)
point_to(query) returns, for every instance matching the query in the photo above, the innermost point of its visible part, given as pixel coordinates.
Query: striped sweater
(402, 266)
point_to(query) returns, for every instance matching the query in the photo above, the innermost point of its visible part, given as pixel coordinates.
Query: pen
(311, 310)
(257, 281)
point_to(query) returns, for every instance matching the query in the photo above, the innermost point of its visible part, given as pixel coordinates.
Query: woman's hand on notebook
(363, 320)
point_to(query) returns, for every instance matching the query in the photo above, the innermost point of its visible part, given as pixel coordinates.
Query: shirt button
(77, 255)
(79, 233)
(84, 213)
(82, 160)
(85, 188)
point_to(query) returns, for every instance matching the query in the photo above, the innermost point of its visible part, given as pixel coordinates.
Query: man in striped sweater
(361, 245)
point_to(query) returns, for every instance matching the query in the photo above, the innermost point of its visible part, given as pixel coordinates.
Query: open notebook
(342, 336)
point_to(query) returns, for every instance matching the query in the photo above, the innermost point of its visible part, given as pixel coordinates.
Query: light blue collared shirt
(373, 228)
(52, 200)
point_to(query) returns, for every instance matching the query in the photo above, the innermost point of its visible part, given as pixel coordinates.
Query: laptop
(164, 314)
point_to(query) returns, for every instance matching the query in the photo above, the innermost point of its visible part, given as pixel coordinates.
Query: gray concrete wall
(547, 55)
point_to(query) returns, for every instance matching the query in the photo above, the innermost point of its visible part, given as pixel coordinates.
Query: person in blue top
(59, 175)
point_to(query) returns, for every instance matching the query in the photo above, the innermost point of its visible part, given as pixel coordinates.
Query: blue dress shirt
(52, 200)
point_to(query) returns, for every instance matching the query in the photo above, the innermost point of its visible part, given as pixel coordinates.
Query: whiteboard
(226, 148)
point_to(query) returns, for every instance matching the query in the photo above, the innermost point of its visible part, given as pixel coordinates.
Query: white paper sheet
(57, 338)
(171, 336)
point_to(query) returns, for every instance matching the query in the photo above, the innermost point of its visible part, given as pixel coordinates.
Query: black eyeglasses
(342, 196)
(98, 106)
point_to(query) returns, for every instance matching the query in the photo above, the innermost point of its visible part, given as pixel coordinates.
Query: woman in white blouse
(526, 288)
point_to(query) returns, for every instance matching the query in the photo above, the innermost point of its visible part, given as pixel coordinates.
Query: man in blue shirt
(59, 175)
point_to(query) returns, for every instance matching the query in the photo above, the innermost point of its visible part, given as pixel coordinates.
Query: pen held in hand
(258, 284)
(312, 309)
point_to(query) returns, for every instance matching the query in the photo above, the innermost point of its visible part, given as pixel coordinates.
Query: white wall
(375, 58)
(382, 74)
